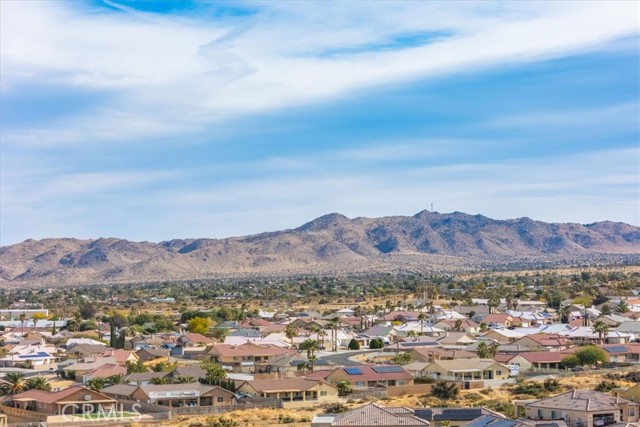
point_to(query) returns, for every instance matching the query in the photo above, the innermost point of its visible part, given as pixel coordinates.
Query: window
(323, 393)
(401, 382)
(220, 399)
(498, 372)
(360, 383)
(554, 415)
(632, 411)
(540, 414)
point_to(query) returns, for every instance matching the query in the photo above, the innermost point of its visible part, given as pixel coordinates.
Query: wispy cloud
(190, 70)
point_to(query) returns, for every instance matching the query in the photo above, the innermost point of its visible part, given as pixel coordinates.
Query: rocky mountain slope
(332, 244)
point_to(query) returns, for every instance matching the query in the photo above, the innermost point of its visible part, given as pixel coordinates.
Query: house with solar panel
(623, 353)
(363, 378)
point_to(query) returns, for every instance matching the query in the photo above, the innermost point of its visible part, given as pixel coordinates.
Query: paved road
(342, 358)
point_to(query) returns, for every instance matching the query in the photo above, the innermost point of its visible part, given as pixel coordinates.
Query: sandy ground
(479, 397)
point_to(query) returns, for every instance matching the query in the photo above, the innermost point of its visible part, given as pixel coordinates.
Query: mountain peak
(324, 222)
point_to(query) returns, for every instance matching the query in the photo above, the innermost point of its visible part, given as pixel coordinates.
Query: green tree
(220, 333)
(334, 324)
(185, 380)
(344, 387)
(353, 344)
(136, 367)
(37, 383)
(199, 325)
(622, 307)
(588, 355)
(600, 328)
(444, 390)
(376, 343)
(606, 310)
(214, 372)
(401, 358)
(483, 350)
(458, 325)
(422, 318)
(13, 383)
(291, 331)
(161, 380)
(97, 384)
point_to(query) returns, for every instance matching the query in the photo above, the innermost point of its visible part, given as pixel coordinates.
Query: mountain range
(332, 244)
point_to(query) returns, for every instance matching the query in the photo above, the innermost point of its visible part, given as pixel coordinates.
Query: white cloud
(188, 71)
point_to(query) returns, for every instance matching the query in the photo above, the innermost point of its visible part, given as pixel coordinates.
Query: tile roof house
(104, 371)
(371, 415)
(70, 400)
(623, 353)
(467, 325)
(587, 408)
(175, 395)
(465, 370)
(243, 358)
(293, 392)
(364, 377)
(541, 342)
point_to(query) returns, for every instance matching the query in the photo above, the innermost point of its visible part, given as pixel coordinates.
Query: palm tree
(13, 383)
(37, 383)
(422, 319)
(412, 335)
(97, 384)
(291, 331)
(117, 379)
(458, 325)
(161, 380)
(622, 307)
(600, 328)
(214, 372)
(23, 317)
(185, 380)
(333, 324)
(310, 346)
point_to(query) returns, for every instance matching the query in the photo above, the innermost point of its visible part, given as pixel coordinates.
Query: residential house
(144, 378)
(466, 325)
(104, 371)
(623, 353)
(72, 400)
(86, 351)
(454, 417)
(174, 395)
(456, 339)
(191, 339)
(293, 392)
(613, 320)
(465, 370)
(503, 336)
(153, 356)
(371, 415)
(243, 358)
(122, 357)
(364, 377)
(586, 408)
(543, 342)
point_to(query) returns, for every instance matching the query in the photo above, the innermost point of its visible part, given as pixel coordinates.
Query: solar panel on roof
(353, 371)
(481, 422)
(387, 369)
(503, 423)
(459, 414)
(617, 349)
(425, 414)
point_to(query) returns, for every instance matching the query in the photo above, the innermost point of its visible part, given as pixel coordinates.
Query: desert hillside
(331, 244)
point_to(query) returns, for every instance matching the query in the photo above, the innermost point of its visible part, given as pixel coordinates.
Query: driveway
(342, 358)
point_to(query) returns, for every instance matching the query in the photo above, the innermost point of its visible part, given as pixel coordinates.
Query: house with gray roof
(371, 415)
(581, 408)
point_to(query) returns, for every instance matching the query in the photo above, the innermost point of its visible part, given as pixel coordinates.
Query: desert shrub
(445, 390)
(531, 388)
(354, 345)
(633, 377)
(424, 380)
(335, 408)
(606, 386)
(474, 397)
(551, 385)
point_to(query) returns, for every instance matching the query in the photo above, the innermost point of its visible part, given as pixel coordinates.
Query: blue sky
(159, 120)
